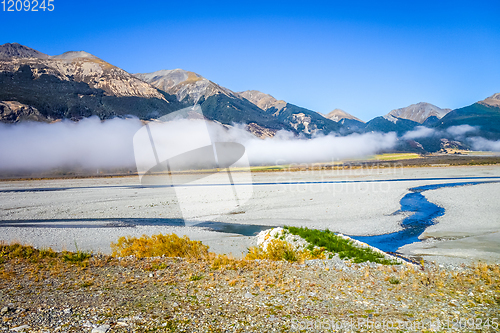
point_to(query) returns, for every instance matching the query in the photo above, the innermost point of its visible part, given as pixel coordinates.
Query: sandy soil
(359, 202)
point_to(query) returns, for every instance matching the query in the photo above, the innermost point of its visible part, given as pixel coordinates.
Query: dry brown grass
(222, 261)
(169, 245)
(17, 250)
(278, 249)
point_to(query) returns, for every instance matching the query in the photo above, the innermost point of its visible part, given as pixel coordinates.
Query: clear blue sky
(366, 57)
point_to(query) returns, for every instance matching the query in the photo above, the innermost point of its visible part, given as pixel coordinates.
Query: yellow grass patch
(159, 245)
(396, 156)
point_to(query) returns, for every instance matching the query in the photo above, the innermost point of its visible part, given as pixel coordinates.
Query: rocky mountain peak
(391, 118)
(71, 55)
(262, 100)
(82, 67)
(492, 100)
(15, 50)
(418, 112)
(167, 79)
(187, 86)
(338, 114)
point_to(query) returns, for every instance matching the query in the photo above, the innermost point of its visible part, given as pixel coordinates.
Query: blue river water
(424, 215)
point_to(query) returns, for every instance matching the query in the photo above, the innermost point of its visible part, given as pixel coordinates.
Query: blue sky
(365, 57)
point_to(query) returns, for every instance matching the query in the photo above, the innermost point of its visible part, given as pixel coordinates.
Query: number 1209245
(27, 5)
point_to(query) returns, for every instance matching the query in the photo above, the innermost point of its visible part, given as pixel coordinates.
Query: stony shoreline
(176, 295)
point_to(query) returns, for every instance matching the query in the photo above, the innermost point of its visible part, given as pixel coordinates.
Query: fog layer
(92, 143)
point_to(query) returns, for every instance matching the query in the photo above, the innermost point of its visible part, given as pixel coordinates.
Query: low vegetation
(223, 262)
(78, 257)
(169, 245)
(276, 250)
(337, 245)
(396, 156)
(42, 257)
(323, 244)
(30, 253)
(320, 244)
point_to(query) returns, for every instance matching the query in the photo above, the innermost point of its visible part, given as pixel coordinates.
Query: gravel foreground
(106, 294)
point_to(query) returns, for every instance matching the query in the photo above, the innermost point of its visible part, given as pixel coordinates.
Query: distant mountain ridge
(76, 84)
(390, 123)
(218, 103)
(189, 87)
(78, 66)
(485, 116)
(301, 119)
(250, 107)
(419, 112)
(262, 100)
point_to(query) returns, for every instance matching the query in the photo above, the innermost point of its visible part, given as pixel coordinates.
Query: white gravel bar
(94, 212)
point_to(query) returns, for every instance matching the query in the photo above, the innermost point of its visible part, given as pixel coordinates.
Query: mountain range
(76, 85)
(37, 87)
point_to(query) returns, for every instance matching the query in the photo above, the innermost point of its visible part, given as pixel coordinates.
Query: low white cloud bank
(92, 143)
(320, 149)
(461, 130)
(456, 132)
(89, 143)
(419, 132)
(479, 143)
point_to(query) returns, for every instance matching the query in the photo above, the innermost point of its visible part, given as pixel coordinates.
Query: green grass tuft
(195, 277)
(336, 244)
(75, 257)
(394, 280)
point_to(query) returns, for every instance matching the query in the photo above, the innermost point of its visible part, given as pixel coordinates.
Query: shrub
(16, 250)
(255, 252)
(79, 257)
(277, 249)
(315, 253)
(159, 245)
(47, 253)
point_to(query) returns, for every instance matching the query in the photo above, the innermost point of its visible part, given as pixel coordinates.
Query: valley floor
(106, 294)
(89, 214)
